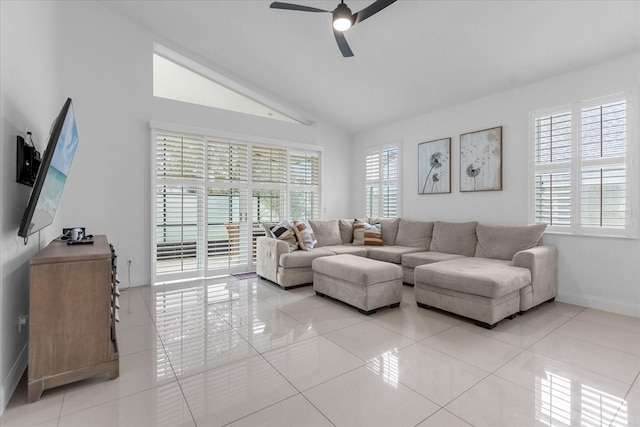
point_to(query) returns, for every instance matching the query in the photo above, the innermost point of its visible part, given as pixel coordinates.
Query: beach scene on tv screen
(56, 174)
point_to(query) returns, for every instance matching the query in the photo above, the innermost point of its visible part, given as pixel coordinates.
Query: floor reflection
(387, 366)
(555, 395)
(192, 330)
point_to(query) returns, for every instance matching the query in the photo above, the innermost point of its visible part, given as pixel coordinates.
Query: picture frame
(481, 160)
(434, 166)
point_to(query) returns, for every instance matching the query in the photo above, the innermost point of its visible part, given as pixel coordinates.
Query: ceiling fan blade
(371, 10)
(289, 6)
(342, 44)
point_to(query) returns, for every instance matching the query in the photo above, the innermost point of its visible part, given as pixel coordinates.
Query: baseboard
(9, 385)
(591, 301)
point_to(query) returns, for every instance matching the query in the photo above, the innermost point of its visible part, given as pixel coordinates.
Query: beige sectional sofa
(478, 271)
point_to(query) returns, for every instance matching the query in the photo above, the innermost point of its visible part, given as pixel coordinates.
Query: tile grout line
(284, 377)
(109, 400)
(368, 363)
(155, 326)
(626, 398)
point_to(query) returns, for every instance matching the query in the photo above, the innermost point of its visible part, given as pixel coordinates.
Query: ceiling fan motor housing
(343, 12)
(342, 16)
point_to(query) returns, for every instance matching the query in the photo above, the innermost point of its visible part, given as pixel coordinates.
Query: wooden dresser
(72, 332)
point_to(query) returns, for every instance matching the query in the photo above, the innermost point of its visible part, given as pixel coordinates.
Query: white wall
(30, 98)
(53, 50)
(596, 272)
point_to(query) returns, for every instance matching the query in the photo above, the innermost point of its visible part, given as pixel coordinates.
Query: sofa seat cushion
(390, 253)
(421, 258)
(302, 258)
(347, 249)
(359, 270)
(489, 278)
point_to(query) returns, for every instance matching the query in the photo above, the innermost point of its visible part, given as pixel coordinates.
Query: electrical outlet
(22, 321)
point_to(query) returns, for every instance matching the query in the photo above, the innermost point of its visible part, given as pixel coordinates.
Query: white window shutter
(581, 160)
(382, 183)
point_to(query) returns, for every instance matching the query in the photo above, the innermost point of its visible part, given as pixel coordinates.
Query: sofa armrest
(542, 261)
(268, 251)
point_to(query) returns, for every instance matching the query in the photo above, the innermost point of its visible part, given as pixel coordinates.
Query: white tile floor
(246, 353)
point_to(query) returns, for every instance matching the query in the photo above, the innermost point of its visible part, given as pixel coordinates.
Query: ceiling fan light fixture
(342, 24)
(342, 18)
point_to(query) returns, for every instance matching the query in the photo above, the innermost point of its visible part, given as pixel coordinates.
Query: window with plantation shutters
(582, 183)
(304, 185)
(382, 173)
(179, 158)
(603, 180)
(227, 203)
(180, 166)
(212, 198)
(227, 162)
(304, 169)
(269, 165)
(269, 205)
(372, 178)
(553, 169)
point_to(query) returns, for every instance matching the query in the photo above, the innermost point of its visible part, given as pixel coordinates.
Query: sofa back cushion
(389, 228)
(415, 234)
(503, 242)
(305, 235)
(346, 230)
(454, 238)
(327, 232)
(284, 231)
(367, 234)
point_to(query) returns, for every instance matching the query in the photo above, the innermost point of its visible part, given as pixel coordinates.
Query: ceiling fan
(343, 19)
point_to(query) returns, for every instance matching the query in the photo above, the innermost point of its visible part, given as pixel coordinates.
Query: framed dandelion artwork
(434, 167)
(481, 160)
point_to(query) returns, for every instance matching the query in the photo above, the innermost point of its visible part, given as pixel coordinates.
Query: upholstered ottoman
(364, 283)
(486, 290)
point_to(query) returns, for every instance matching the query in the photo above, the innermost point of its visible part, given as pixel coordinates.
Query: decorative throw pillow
(284, 231)
(267, 226)
(306, 238)
(367, 234)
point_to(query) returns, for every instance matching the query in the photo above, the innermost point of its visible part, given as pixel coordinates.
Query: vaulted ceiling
(411, 58)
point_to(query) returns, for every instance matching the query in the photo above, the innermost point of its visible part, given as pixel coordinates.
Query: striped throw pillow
(367, 234)
(284, 231)
(306, 238)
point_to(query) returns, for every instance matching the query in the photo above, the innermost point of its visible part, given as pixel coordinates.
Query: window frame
(577, 165)
(380, 182)
(206, 135)
(225, 82)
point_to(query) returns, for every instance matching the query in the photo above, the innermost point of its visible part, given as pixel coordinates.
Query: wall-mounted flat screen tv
(52, 175)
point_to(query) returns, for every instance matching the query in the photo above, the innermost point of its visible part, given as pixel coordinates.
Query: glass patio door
(227, 230)
(213, 197)
(201, 208)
